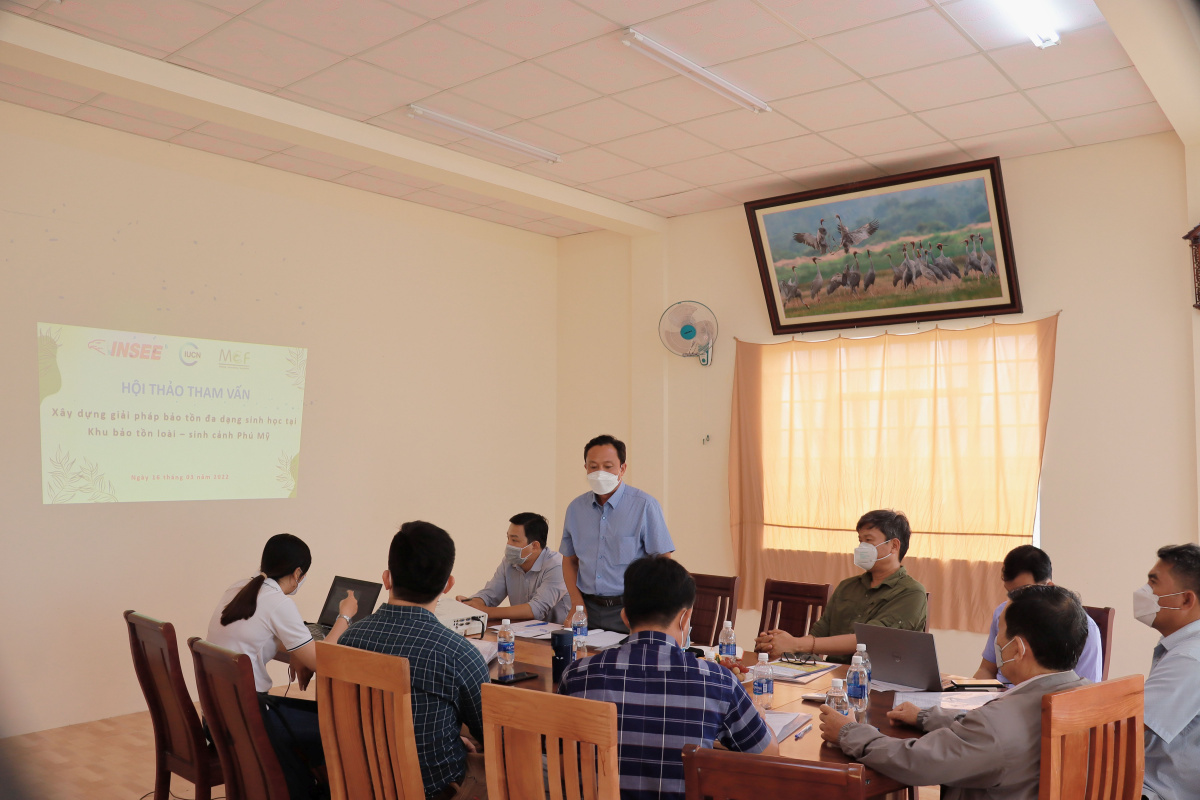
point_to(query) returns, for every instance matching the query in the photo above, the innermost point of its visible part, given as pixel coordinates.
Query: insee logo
(152, 352)
(189, 354)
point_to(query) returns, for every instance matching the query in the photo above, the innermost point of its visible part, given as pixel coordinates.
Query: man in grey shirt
(992, 752)
(530, 576)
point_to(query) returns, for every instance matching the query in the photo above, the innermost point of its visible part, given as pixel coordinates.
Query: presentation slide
(133, 417)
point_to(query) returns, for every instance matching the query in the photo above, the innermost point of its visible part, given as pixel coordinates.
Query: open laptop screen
(367, 592)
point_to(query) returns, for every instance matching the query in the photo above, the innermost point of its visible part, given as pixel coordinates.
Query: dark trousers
(296, 736)
(604, 618)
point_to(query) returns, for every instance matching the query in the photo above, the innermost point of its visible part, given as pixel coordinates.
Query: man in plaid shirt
(446, 669)
(665, 696)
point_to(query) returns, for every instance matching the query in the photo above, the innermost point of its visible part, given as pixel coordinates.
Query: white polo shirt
(276, 621)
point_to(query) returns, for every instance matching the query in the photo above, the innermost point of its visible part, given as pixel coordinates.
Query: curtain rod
(936, 327)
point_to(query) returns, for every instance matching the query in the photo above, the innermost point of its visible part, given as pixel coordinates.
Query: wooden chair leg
(203, 791)
(162, 778)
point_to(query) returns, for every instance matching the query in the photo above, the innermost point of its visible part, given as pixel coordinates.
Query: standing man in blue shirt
(530, 576)
(604, 531)
(1170, 603)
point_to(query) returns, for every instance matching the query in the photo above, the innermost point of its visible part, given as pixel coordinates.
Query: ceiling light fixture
(1032, 17)
(690, 69)
(482, 134)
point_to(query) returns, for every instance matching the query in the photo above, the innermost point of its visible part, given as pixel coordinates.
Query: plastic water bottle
(506, 651)
(836, 698)
(579, 629)
(862, 653)
(727, 644)
(857, 686)
(764, 683)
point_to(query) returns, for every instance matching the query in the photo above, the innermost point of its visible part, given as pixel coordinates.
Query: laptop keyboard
(318, 631)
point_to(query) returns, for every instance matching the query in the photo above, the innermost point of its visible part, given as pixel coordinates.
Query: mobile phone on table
(516, 677)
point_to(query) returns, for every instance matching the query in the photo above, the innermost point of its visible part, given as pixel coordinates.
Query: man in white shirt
(1170, 603)
(530, 576)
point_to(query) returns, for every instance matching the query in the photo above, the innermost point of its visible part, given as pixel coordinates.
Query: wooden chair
(716, 601)
(580, 745)
(793, 607)
(180, 746)
(928, 597)
(1092, 742)
(721, 775)
(364, 702)
(1104, 618)
(225, 681)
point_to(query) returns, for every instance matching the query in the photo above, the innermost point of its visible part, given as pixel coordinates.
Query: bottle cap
(579, 608)
(728, 623)
(505, 622)
(837, 683)
(856, 661)
(762, 658)
(862, 648)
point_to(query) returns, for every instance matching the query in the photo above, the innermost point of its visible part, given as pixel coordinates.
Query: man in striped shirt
(665, 696)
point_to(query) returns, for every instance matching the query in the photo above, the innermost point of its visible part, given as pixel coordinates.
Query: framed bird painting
(927, 245)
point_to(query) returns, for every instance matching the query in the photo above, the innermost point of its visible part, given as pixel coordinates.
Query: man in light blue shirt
(1026, 566)
(530, 576)
(1170, 603)
(604, 531)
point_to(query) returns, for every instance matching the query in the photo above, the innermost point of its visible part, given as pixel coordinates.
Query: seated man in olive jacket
(992, 752)
(885, 594)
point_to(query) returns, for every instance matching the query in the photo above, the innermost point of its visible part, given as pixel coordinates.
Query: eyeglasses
(802, 659)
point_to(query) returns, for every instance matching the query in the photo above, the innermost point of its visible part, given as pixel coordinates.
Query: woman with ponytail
(255, 616)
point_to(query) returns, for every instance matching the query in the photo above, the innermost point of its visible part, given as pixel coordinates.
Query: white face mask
(998, 651)
(512, 554)
(866, 554)
(1146, 605)
(603, 482)
(299, 583)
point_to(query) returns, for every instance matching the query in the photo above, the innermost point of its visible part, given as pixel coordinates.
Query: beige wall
(431, 386)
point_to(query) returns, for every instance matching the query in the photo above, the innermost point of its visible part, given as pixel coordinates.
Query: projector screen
(133, 417)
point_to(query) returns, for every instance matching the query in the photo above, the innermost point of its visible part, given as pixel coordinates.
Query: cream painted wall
(431, 386)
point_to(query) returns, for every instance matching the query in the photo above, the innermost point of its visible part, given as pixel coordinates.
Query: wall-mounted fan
(689, 329)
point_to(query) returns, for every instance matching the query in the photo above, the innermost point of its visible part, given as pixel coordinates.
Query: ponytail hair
(281, 556)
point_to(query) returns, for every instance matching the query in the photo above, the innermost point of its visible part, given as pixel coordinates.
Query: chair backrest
(928, 597)
(177, 730)
(580, 739)
(225, 681)
(722, 775)
(716, 598)
(792, 607)
(364, 702)
(1092, 740)
(1104, 618)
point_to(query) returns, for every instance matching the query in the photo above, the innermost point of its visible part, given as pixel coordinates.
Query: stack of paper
(486, 649)
(799, 673)
(785, 723)
(957, 701)
(531, 629)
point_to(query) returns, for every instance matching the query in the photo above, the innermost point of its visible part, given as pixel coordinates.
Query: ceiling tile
(693, 202)
(934, 155)
(312, 102)
(946, 83)
(984, 116)
(302, 166)
(464, 195)
(851, 104)
(490, 152)
(40, 83)
(662, 146)
(216, 72)
(987, 22)
(677, 100)
(22, 7)
(757, 188)
(521, 211)
(369, 184)
(1016, 143)
(437, 55)
(321, 157)
(233, 7)
(99, 36)
(361, 87)
(541, 137)
(399, 177)
(525, 90)
(399, 122)
(599, 121)
(545, 228)
(345, 28)
(734, 129)
(1085, 52)
(640, 185)
(165, 25)
(900, 133)
(719, 31)
(822, 17)
(432, 8)
(898, 44)
(804, 151)
(785, 72)
(630, 12)
(42, 102)
(835, 174)
(1091, 95)
(584, 166)
(529, 28)
(721, 168)
(492, 214)
(133, 109)
(1123, 123)
(429, 198)
(222, 147)
(264, 143)
(606, 65)
(266, 56)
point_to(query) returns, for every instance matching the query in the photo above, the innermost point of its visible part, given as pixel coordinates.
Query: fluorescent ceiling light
(482, 134)
(1033, 17)
(690, 69)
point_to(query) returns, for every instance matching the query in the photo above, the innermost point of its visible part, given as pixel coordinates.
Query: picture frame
(866, 253)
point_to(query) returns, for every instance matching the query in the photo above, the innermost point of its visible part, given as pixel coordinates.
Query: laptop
(366, 592)
(907, 660)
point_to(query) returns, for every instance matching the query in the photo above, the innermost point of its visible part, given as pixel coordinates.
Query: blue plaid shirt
(665, 698)
(446, 672)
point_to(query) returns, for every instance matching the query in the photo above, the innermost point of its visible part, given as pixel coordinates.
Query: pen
(800, 733)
